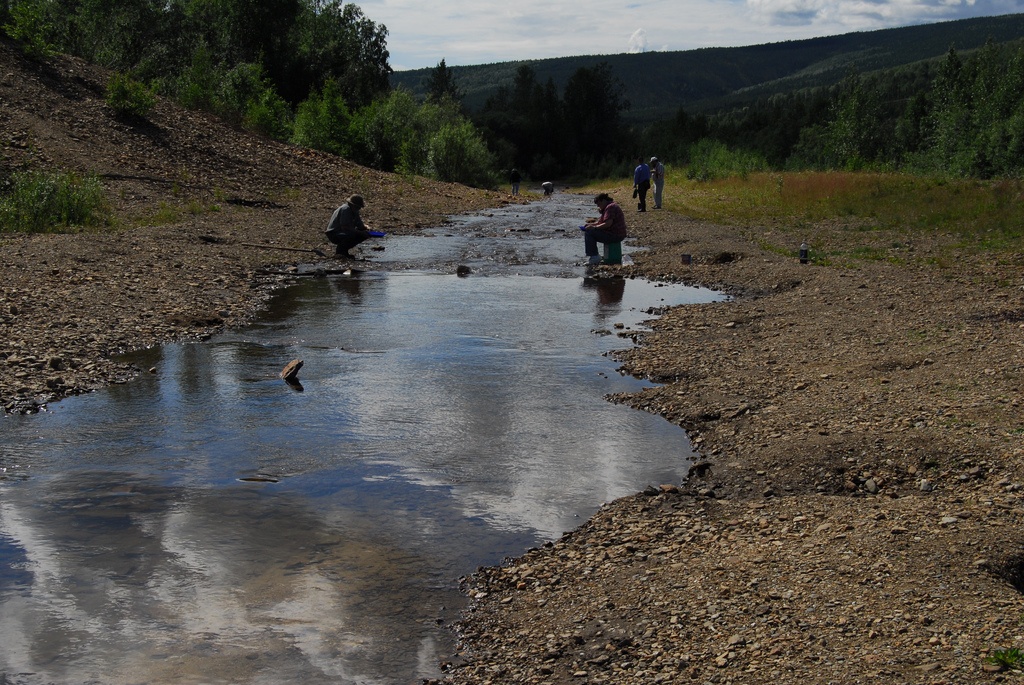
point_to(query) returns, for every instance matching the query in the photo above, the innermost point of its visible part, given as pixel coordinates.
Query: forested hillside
(944, 98)
(657, 84)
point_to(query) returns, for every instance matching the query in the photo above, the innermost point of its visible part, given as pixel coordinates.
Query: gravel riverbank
(856, 513)
(855, 516)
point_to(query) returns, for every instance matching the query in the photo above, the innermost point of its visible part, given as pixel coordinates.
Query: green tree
(197, 85)
(440, 84)
(458, 154)
(32, 24)
(852, 136)
(322, 121)
(245, 31)
(380, 129)
(338, 42)
(429, 118)
(137, 36)
(523, 123)
(593, 102)
(949, 122)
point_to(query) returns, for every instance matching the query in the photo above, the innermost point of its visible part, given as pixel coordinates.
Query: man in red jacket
(610, 227)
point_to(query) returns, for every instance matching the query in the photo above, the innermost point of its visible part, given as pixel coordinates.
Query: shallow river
(210, 523)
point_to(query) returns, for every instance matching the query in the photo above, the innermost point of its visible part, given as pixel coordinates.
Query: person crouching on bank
(610, 227)
(346, 228)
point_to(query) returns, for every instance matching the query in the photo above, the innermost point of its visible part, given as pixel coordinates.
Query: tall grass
(37, 202)
(969, 214)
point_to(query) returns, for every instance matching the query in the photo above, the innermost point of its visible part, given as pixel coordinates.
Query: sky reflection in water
(208, 523)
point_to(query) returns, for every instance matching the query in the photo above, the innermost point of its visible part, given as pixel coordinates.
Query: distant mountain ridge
(657, 84)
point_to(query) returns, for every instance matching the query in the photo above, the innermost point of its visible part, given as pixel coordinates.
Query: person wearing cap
(610, 227)
(346, 228)
(658, 178)
(641, 183)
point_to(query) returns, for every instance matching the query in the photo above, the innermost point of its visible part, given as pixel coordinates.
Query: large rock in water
(291, 370)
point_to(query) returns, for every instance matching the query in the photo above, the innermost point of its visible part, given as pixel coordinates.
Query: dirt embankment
(856, 513)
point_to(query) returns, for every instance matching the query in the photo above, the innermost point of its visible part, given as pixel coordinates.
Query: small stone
(291, 370)
(871, 486)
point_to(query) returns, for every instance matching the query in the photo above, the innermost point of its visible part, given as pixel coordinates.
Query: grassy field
(847, 217)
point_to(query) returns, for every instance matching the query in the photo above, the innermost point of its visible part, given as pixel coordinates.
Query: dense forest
(658, 84)
(316, 73)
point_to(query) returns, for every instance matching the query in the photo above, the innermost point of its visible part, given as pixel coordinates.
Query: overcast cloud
(463, 32)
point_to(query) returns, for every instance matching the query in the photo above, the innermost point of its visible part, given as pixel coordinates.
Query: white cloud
(638, 42)
(421, 34)
(825, 17)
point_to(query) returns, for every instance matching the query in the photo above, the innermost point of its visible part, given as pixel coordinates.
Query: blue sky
(423, 32)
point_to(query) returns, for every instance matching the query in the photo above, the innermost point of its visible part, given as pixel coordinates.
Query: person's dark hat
(356, 201)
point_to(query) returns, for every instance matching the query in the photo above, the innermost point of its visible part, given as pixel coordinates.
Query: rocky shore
(854, 517)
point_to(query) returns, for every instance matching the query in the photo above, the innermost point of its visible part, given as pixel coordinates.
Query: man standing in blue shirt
(641, 183)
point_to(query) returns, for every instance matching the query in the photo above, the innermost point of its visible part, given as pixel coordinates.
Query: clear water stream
(210, 523)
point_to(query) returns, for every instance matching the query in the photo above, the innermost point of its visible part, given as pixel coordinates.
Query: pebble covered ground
(855, 513)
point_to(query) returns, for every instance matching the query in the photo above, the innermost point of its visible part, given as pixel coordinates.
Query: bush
(269, 115)
(246, 98)
(29, 25)
(458, 154)
(322, 121)
(128, 97)
(711, 159)
(197, 85)
(379, 130)
(44, 203)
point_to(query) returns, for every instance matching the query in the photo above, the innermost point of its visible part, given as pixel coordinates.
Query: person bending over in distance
(346, 228)
(610, 227)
